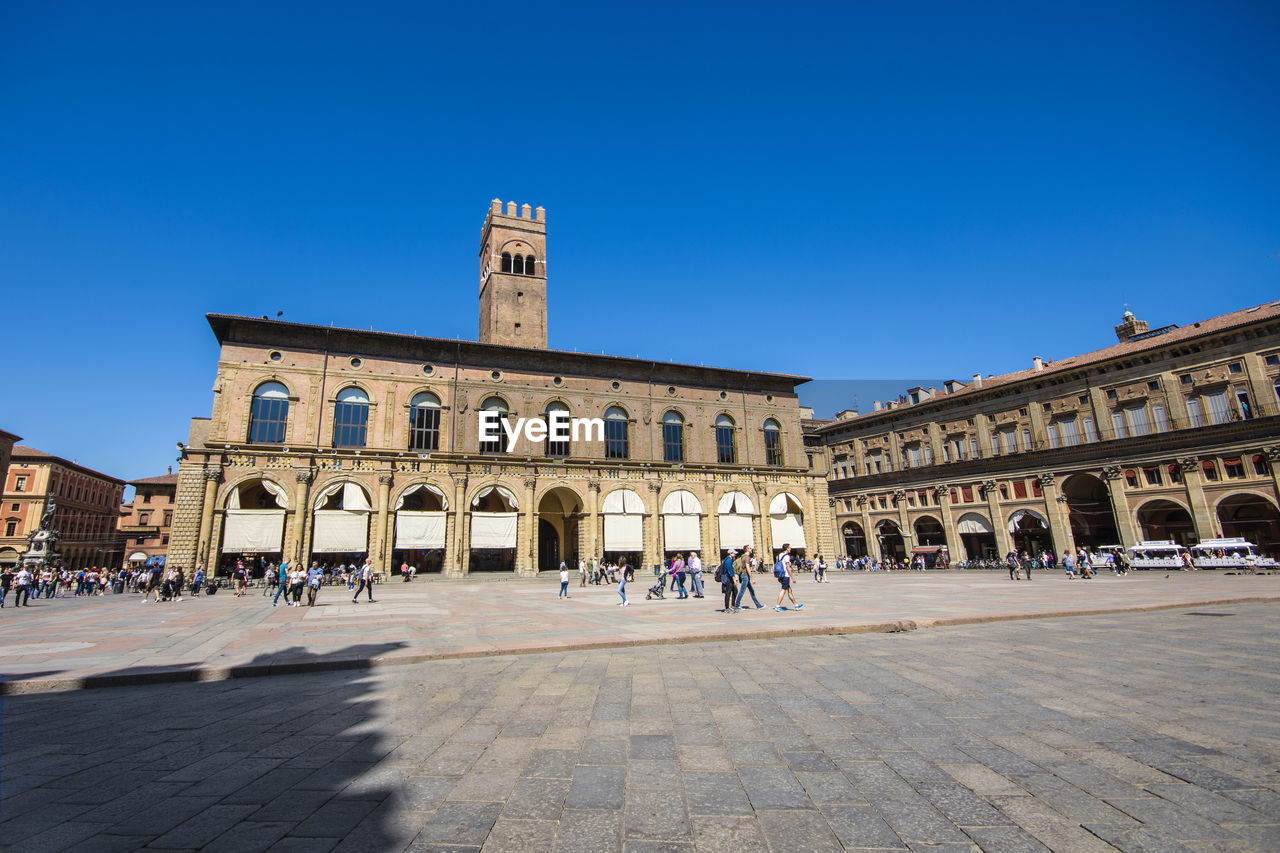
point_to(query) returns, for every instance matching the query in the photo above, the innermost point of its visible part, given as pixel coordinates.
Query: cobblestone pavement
(64, 641)
(1139, 731)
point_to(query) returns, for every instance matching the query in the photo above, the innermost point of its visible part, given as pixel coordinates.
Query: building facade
(328, 444)
(146, 523)
(1172, 433)
(7, 441)
(88, 505)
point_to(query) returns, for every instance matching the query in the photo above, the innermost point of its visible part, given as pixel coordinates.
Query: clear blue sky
(843, 191)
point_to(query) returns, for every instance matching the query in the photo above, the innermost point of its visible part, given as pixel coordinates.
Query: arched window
(726, 447)
(350, 417)
(499, 444)
(517, 265)
(616, 445)
(772, 442)
(424, 422)
(268, 413)
(557, 448)
(506, 262)
(672, 437)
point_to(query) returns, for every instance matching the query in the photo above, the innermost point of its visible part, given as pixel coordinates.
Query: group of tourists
(164, 584)
(684, 573)
(291, 581)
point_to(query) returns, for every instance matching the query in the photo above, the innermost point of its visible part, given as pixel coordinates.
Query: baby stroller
(656, 590)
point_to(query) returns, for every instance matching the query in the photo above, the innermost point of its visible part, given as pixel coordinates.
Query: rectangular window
(1216, 403)
(616, 445)
(726, 450)
(349, 423)
(11, 528)
(673, 442)
(424, 428)
(168, 518)
(913, 455)
(1210, 470)
(1026, 439)
(144, 518)
(973, 448)
(267, 418)
(1019, 488)
(1234, 468)
(20, 483)
(1052, 431)
(772, 447)
(848, 506)
(1117, 425)
(1161, 417)
(1152, 475)
(1272, 360)
(1010, 439)
(1137, 418)
(928, 454)
(1070, 437)
(946, 453)
(1242, 400)
(1235, 367)
(1193, 412)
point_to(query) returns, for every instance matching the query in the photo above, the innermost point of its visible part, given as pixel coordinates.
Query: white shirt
(695, 564)
(564, 575)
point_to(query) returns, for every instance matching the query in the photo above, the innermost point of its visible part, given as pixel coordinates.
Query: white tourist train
(1162, 554)
(1233, 553)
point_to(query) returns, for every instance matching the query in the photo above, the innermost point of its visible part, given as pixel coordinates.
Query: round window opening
(768, 398)
(671, 390)
(724, 395)
(275, 355)
(355, 362)
(558, 381)
(495, 375)
(428, 369)
(615, 385)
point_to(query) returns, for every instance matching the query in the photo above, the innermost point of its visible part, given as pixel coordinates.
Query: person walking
(1027, 563)
(725, 574)
(315, 577)
(564, 581)
(365, 577)
(6, 583)
(197, 581)
(782, 571)
(282, 584)
(678, 567)
(1069, 563)
(742, 566)
(623, 572)
(241, 579)
(694, 565)
(22, 588)
(582, 573)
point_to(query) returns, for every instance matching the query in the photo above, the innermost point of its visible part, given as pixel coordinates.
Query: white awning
(340, 531)
(735, 531)
(681, 502)
(623, 532)
(681, 532)
(251, 530)
(622, 501)
(735, 503)
(353, 497)
(1023, 513)
(135, 557)
(787, 530)
(784, 503)
(506, 493)
(419, 529)
(493, 529)
(423, 487)
(971, 522)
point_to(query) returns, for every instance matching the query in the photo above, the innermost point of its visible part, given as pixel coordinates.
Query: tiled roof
(21, 452)
(162, 480)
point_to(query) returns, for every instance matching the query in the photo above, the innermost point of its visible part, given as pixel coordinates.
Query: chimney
(1037, 364)
(875, 406)
(170, 469)
(977, 380)
(933, 392)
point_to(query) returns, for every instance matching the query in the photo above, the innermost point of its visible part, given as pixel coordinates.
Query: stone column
(868, 535)
(653, 536)
(206, 556)
(458, 548)
(1054, 510)
(1273, 457)
(1120, 505)
(904, 523)
(381, 557)
(942, 495)
(1003, 540)
(593, 520)
(531, 532)
(1206, 528)
(296, 542)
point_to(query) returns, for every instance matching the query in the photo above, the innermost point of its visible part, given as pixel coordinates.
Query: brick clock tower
(513, 277)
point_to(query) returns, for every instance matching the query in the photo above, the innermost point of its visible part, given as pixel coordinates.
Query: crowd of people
(164, 584)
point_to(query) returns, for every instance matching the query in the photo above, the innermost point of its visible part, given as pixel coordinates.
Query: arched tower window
(424, 422)
(517, 265)
(616, 444)
(672, 437)
(499, 444)
(506, 262)
(268, 413)
(726, 447)
(530, 265)
(350, 417)
(772, 442)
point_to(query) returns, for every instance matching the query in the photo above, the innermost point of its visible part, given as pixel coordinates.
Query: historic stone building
(146, 523)
(1172, 433)
(328, 444)
(88, 505)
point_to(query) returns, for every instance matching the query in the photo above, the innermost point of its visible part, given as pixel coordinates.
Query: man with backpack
(782, 571)
(725, 575)
(742, 566)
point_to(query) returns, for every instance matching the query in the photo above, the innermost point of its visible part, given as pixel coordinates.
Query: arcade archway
(1089, 510)
(1252, 517)
(559, 515)
(1163, 519)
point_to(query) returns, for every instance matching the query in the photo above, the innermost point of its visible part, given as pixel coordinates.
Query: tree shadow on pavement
(296, 761)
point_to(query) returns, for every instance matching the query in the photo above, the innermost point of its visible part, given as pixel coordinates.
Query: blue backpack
(778, 570)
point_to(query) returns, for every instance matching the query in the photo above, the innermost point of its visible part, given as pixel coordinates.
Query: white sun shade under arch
(623, 521)
(506, 494)
(423, 487)
(971, 522)
(786, 521)
(423, 530)
(681, 522)
(733, 519)
(274, 489)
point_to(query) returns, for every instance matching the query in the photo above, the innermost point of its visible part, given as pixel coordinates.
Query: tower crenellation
(513, 276)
